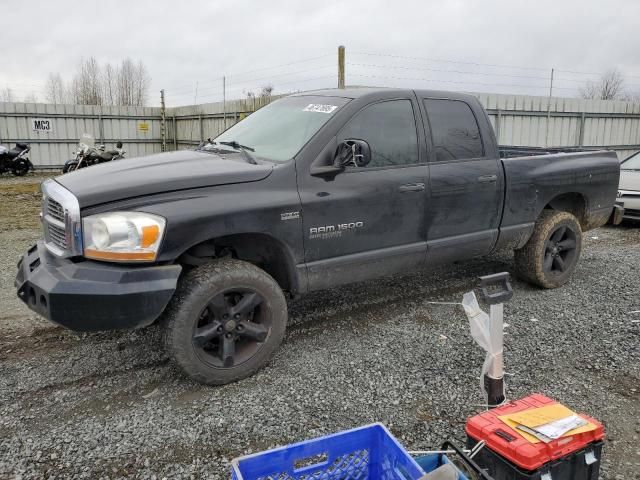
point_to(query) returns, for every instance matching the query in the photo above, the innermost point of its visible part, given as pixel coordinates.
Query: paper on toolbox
(560, 427)
(554, 430)
(535, 417)
(539, 416)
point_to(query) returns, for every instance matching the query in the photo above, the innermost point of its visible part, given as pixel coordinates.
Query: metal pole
(341, 66)
(546, 136)
(163, 132)
(496, 289)
(581, 130)
(494, 379)
(224, 102)
(175, 134)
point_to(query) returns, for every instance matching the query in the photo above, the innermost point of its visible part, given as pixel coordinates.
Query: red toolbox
(509, 455)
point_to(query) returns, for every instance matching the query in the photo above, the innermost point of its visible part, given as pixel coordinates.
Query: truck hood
(630, 180)
(163, 172)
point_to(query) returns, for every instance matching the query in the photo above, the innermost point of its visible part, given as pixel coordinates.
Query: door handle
(411, 187)
(487, 178)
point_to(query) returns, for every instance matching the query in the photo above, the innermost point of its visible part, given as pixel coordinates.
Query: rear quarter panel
(533, 182)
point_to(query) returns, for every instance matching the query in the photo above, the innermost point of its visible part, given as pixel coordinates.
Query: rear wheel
(550, 256)
(20, 168)
(225, 321)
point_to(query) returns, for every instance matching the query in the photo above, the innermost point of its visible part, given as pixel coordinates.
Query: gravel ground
(112, 406)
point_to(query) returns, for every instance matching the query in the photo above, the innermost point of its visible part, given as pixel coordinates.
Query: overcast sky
(458, 45)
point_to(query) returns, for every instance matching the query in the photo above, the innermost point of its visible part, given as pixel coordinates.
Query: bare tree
(143, 82)
(86, 85)
(133, 83)
(609, 87)
(124, 84)
(266, 91)
(6, 95)
(31, 98)
(55, 90)
(110, 85)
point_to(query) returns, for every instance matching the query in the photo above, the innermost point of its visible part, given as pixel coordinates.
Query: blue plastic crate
(365, 453)
(430, 462)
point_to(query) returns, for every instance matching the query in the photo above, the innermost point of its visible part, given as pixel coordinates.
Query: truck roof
(358, 92)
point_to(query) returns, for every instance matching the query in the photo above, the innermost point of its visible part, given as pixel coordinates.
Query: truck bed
(581, 181)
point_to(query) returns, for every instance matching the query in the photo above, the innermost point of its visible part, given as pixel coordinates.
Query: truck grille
(61, 220)
(55, 231)
(57, 236)
(54, 209)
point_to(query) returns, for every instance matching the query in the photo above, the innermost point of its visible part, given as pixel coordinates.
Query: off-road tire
(193, 294)
(529, 260)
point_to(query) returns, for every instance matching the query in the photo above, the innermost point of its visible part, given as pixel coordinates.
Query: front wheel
(550, 256)
(225, 321)
(69, 166)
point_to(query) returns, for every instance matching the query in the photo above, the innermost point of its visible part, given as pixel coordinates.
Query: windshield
(87, 139)
(278, 131)
(631, 163)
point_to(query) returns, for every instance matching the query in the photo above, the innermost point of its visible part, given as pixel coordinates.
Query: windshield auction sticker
(317, 107)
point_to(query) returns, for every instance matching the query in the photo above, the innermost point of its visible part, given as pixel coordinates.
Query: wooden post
(341, 66)
(163, 131)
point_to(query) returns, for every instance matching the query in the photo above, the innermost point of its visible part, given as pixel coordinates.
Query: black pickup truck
(310, 192)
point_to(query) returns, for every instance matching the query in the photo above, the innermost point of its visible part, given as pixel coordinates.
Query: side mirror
(353, 152)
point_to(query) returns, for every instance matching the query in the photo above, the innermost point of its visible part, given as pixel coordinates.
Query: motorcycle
(15, 160)
(88, 154)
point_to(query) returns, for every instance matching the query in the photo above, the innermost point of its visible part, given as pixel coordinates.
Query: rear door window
(455, 131)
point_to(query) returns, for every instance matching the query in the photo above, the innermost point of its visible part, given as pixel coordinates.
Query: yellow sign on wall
(143, 127)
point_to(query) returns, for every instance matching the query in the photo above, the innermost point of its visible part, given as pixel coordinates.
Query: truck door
(466, 182)
(369, 221)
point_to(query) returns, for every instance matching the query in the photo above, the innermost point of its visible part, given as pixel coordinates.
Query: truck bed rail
(508, 151)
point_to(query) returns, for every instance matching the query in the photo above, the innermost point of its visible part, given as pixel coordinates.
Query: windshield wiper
(237, 146)
(243, 148)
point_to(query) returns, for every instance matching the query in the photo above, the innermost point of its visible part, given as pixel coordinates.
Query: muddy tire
(550, 256)
(225, 321)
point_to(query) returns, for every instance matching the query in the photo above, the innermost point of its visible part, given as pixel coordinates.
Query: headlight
(122, 236)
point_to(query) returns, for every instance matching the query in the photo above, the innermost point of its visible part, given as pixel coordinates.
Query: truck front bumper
(93, 296)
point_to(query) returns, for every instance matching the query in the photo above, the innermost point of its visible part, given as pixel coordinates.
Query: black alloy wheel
(551, 254)
(560, 251)
(231, 329)
(225, 321)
